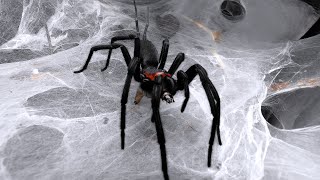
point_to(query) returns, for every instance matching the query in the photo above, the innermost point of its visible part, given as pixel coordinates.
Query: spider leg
(176, 63)
(120, 38)
(164, 53)
(136, 17)
(214, 102)
(183, 83)
(124, 99)
(171, 85)
(124, 50)
(156, 95)
(144, 37)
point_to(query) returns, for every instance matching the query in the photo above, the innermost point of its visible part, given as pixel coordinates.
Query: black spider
(157, 83)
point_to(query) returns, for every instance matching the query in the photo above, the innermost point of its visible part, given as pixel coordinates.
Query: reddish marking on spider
(152, 76)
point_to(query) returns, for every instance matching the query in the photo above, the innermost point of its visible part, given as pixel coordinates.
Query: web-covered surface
(59, 125)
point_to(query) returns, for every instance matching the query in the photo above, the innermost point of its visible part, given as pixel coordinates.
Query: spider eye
(145, 80)
(142, 76)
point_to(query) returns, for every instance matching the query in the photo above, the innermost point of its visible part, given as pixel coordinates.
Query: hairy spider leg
(124, 51)
(136, 18)
(214, 102)
(164, 53)
(176, 63)
(125, 93)
(144, 37)
(121, 38)
(156, 95)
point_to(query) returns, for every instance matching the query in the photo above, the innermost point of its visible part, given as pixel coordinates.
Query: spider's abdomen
(149, 54)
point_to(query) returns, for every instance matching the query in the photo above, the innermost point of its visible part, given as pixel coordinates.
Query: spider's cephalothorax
(158, 84)
(148, 78)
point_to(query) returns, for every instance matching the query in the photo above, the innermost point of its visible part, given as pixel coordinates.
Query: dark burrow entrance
(294, 109)
(232, 10)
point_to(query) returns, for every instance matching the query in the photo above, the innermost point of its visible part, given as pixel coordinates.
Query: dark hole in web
(313, 31)
(270, 117)
(232, 10)
(293, 109)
